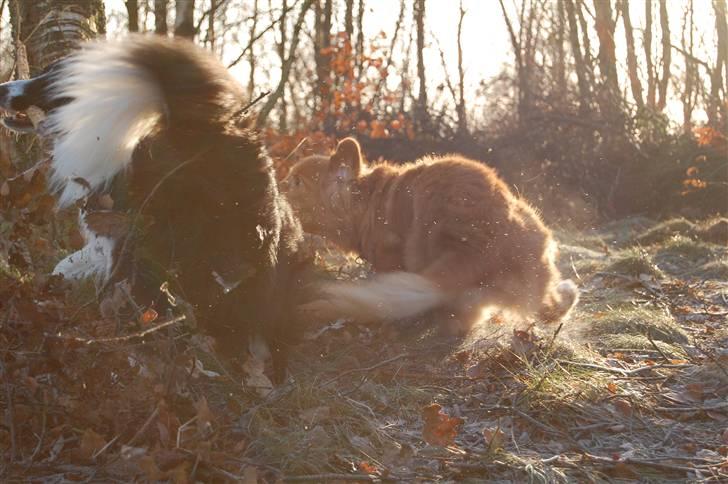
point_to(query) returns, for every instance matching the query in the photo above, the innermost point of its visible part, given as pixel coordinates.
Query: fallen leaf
(522, 343)
(91, 442)
(204, 417)
(612, 387)
(439, 428)
(366, 467)
(494, 438)
(149, 316)
(255, 377)
(623, 406)
(250, 475)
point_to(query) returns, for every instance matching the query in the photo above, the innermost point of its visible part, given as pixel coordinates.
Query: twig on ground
(103, 449)
(640, 462)
(144, 427)
(44, 418)
(704, 408)
(330, 477)
(369, 368)
(119, 339)
(10, 421)
(654, 345)
(621, 371)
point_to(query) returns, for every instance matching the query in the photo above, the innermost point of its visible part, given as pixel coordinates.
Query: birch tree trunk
(50, 29)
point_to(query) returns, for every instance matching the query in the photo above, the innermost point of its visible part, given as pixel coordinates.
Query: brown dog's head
(321, 188)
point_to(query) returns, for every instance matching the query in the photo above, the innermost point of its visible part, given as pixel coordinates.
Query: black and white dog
(160, 125)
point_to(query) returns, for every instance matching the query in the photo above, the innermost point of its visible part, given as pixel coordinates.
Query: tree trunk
(462, 115)
(211, 24)
(52, 28)
(160, 17)
(609, 95)
(349, 20)
(132, 12)
(283, 105)
(634, 78)
(649, 66)
(688, 44)
(360, 39)
(717, 110)
(322, 58)
(184, 19)
(559, 62)
(273, 98)
(579, 64)
(666, 56)
(251, 52)
(421, 114)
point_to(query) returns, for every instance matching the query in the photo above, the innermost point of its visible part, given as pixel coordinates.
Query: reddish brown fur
(450, 219)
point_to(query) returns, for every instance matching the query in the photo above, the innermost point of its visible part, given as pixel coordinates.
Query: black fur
(204, 204)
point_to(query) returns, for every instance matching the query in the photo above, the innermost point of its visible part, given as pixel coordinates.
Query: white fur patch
(95, 259)
(17, 88)
(115, 104)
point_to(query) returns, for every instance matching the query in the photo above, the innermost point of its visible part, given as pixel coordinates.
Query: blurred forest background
(591, 108)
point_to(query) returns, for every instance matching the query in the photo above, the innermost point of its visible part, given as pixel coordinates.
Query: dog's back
(162, 121)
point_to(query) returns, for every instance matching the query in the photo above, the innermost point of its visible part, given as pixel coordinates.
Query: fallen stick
(118, 339)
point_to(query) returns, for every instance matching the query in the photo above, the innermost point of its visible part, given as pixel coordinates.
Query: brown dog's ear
(346, 161)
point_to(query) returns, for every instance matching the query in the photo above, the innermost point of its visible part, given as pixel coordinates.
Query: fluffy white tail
(383, 297)
(114, 104)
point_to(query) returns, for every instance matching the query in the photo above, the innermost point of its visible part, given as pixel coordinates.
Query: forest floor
(634, 386)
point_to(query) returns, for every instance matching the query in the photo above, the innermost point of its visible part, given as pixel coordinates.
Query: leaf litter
(90, 393)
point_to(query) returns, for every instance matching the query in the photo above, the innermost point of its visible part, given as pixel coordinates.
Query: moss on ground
(633, 262)
(624, 342)
(638, 322)
(664, 230)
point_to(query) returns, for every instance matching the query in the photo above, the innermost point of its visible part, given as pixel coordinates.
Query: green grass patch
(637, 322)
(664, 230)
(716, 269)
(633, 262)
(684, 246)
(640, 343)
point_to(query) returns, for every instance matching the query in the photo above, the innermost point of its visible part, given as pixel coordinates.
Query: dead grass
(664, 230)
(637, 321)
(633, 262)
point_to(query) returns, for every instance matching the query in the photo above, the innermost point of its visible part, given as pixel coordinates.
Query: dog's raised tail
(117, 93)
(562, 299)
(384, 297)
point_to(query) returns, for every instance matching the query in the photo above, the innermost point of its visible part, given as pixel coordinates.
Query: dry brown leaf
(612, 387)
(204, 417)
(255, 377)
(623, 406)
(366, 467)
(91, 442)
(439, 428)
(250, 475)
(494, 438)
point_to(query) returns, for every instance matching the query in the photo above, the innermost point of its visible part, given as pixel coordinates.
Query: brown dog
(440, 232)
